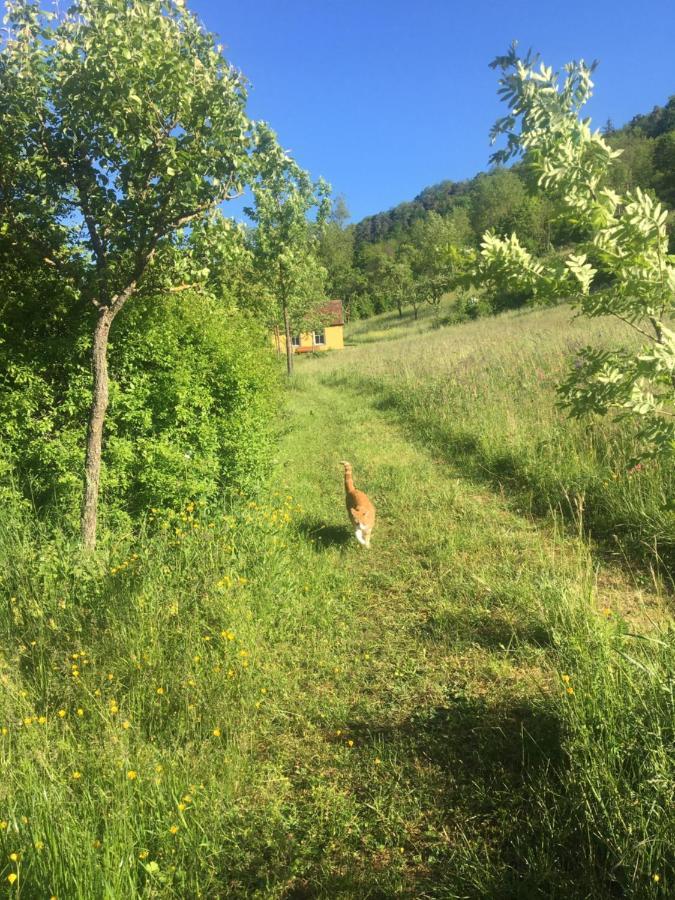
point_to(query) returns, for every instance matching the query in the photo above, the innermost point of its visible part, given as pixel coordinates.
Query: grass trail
(245, 703)
(443, 661)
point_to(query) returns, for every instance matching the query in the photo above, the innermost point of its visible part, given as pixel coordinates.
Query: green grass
(313, 720)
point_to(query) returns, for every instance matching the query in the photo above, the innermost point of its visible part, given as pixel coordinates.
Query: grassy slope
(313, 720)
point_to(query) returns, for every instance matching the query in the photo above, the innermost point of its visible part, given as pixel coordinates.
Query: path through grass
(255, 706)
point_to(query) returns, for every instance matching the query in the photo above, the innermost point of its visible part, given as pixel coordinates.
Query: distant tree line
(401, 257)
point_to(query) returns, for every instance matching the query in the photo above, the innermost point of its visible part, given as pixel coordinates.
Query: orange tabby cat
(361, 511)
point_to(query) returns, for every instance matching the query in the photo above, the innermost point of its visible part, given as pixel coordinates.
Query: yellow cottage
(328, 336)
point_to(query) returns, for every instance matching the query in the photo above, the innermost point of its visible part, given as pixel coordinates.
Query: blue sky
(385, 98)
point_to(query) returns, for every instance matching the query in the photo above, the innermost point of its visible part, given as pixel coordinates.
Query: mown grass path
(423, 745)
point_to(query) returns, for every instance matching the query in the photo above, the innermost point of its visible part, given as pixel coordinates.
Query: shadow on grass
(483, 773)
(487, 629)
(325, 535)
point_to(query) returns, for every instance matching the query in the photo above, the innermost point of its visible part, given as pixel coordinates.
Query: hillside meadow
(238, 701)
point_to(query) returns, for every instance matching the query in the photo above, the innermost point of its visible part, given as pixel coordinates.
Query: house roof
(333, 309)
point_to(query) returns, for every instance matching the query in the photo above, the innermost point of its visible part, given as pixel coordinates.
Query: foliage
(629, 243)
(284, 241)
(110, 153)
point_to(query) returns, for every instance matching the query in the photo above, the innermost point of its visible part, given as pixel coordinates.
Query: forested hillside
(376, 262)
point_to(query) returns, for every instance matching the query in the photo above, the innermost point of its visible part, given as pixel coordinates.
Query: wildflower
(126, 724)
(12, 877)
(76, 775)
(28, 721)
(606, 611)
(132, 775)
(4, 730)
(187, 798)
(96, 844)
(182, 807)
(62, 714)
(174, 829)
(350, 743)
(570, 690)
(566, 679)
(378, 761)
(656, 877)
(80, 712)
(216, 732)
(42, 720)
(160, 690)
(14, 857)
(3, 825)
(39, 845)
(159, 768)
(144, 854)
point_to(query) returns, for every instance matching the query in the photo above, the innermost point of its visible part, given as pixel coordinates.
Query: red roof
(333, 309)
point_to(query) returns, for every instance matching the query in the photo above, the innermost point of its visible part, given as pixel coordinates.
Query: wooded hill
(359, 257)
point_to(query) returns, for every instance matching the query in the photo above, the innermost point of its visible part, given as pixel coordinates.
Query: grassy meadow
(243, 702)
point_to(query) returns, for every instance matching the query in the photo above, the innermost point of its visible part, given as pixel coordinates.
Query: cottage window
(295, 340)
(319, 337)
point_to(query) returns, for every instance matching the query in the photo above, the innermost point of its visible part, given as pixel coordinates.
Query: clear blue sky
(385, 97)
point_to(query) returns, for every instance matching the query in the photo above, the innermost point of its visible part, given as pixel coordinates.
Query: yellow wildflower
(144, 854)
(126, 724)
(12, 877)
(77, 775)
(62, 713)
(160, 690)
(174, 829)
(42, 720)
(80, 712)
(131, 775)
(216, 732)
(14, 857)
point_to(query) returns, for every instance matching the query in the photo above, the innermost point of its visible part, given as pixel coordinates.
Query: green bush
(192, 397)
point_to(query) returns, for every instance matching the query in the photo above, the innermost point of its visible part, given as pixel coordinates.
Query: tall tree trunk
(99, 405)
(289, 342)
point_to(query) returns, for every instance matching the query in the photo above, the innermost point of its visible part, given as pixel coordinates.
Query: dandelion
(566, 679)
(350, 743)
(570, 690)
(62, 714)
(14, 857)
(216, 732)
(378, 761)
(182, 807)
(126, 724)
(187, 798)
(144, 854)
(76, 775)
(159, 768)
(656, 877)
(80, 712)
(28, 721)
(3, 825)
(606, 611)
(174, 829)
(42, 720)
(39, 845)
(132, 775)
(12, 877)
(160, 690)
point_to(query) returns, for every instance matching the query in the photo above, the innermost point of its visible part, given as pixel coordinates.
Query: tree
(133, 126)
(285, 242)
(432, 258)
(628, 243)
